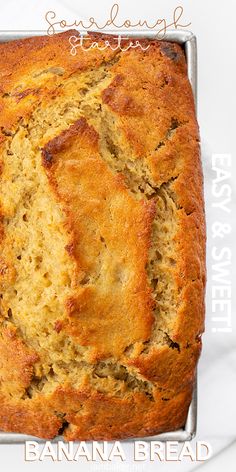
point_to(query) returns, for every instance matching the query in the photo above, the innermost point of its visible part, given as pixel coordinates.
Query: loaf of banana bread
(102, 265)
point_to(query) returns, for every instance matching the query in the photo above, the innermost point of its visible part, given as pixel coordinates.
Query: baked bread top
(102, 267)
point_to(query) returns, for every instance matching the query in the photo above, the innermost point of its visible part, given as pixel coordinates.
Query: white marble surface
(213, 23)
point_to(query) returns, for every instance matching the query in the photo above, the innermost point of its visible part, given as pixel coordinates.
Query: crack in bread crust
(127, 367)
(109, 241)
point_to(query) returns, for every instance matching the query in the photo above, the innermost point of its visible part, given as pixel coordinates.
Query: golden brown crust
(16, 361)
(97, 318)
(114, 170)
(107, 418)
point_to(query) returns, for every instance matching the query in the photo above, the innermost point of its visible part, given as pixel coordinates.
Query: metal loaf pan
(188, 41)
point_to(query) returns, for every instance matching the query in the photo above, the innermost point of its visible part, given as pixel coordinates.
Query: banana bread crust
(102, 267)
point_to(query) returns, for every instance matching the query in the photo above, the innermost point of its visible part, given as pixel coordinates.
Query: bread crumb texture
(102, 266)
